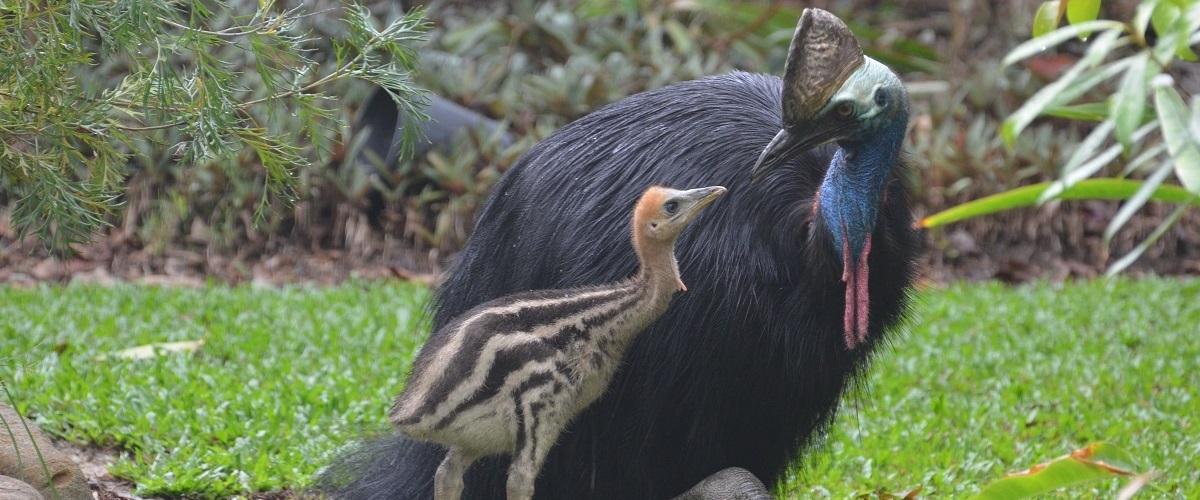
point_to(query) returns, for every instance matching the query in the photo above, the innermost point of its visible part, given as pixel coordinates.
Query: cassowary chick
(508, 375)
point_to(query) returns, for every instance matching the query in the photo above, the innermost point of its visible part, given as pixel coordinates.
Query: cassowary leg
(448, 481)
(734, 483)
(539, 426)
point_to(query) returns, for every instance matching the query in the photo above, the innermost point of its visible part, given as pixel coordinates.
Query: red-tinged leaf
(1096, 461)
(1050, 67)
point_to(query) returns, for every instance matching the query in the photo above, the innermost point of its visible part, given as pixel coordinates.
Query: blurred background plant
(1143, 127)
(168, 108)
(531, 67)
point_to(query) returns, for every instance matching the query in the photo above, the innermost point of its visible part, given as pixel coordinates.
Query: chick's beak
(703, 196)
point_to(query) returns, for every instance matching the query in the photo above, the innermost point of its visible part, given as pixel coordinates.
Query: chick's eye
(671, 207)
(845, 110)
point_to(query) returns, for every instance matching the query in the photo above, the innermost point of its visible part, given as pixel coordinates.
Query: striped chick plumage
(510, 374)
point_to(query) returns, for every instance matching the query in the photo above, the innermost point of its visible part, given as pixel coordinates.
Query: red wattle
(855, 320)
(863, 304)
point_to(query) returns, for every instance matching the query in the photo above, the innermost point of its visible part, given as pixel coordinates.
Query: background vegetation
(192, 93)
(537, 65)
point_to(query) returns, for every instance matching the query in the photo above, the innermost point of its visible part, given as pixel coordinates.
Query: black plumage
(745, 369)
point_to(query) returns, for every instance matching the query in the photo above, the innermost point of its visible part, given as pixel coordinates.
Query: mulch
(1056, 242)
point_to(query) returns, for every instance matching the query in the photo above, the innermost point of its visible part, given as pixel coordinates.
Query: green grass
(992, 379)
(285, 376)
(989, 379)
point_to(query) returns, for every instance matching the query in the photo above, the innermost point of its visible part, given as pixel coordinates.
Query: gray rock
(734, 483)
(22, 464)
(16, 489)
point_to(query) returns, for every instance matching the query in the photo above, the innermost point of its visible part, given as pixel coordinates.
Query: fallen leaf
(156, 349)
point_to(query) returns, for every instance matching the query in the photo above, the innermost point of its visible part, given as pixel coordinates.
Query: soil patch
(1058, 241)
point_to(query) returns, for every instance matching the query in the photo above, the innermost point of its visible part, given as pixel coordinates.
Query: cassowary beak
(822, 56)
(787, 145)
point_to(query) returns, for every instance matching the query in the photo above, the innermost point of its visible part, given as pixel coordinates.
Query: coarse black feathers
(747, 367)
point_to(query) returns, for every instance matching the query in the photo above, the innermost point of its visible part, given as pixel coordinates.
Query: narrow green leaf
(1175, 118)
(1141, 19)
(1067, 88)
(1082, 172)
(1133, 255)
(1037, 45)
(1143, 158)
(1089, 144)
(1082, 154)
(1079, 11)
(1136, 201)
(1103, 46)
(1046, 19)
(679, 36)
(1092, 111)
(1129, 103)
(1090, 189)
(1097, 461)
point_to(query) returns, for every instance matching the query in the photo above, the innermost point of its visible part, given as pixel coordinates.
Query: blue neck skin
(853, 187)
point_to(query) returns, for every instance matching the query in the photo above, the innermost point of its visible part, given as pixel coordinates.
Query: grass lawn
(987, 379)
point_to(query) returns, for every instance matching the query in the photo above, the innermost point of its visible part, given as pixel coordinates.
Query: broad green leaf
(1129, 103)
(1096, 461)
(1026, 196)
(1047, 18)
(1037, 45)
(1079, 11)
(1163, 16)
(1136, 201)
(1175, 118)
(1188, 24)
(1092, 112)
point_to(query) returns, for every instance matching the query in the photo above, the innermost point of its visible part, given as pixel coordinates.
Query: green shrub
(219, 99)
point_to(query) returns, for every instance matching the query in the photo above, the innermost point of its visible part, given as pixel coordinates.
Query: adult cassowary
(792, 285)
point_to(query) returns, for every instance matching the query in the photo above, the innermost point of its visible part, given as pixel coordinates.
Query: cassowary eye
(845, 110)
(671, 207)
